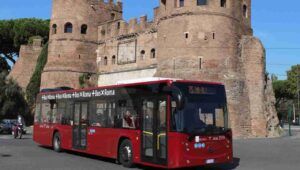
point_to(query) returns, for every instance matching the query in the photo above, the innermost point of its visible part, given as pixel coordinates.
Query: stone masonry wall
(25, 65)
(264, 118)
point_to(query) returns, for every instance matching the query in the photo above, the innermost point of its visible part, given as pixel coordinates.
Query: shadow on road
(5, 155)
(10, 137)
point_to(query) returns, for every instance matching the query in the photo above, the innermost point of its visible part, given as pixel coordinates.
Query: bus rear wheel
(57, 142)
(126, 154)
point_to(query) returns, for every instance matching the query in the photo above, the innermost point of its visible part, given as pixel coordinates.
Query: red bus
(166, 123)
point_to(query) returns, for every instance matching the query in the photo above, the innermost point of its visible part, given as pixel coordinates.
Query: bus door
(80, 125)
(154, 131)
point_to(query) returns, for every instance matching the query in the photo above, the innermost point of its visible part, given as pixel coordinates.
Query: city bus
(161, 123)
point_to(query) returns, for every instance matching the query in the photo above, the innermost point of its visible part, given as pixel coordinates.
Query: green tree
(4, 67)
(12, 100)
(282, 93)
(293, 80)
(33, 87)
(14, 33)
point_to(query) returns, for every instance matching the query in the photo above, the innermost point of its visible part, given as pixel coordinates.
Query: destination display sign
(201, 90)
(79, 94)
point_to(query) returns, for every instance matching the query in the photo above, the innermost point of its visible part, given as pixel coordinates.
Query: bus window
(77, 114)
(46, 112)
(111, 110)
(100, 116)
(162, 128)
(148, 110)
(84, 113)
(65, 116)
(127, 115)
(162, 114)
(61, 110)
(220, 117)
(37, 118)
(54, 113)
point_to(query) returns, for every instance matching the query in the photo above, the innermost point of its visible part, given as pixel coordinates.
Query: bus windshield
(204, 110)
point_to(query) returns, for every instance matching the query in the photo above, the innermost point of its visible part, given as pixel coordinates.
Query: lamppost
(290, 119)
(298, 92)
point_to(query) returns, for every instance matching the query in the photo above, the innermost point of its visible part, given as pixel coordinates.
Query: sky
(277, 25)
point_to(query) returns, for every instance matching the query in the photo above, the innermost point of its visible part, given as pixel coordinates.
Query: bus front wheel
(126, 153)
(56, 142)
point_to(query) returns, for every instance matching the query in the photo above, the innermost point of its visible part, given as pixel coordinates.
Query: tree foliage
(84, 80)
(293, 80)
(14, 33)
(12, 100)
(4, 67)
(33, 87)
(281, 91)
(287, 90)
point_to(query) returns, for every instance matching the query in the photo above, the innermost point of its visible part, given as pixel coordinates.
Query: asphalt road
(252, 154)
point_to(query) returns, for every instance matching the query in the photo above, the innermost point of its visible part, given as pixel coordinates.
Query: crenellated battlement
(120, 27)
(239, 10)
(107, 4)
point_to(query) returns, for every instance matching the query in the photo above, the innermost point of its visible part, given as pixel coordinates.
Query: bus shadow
(95, 157)
(231, 166)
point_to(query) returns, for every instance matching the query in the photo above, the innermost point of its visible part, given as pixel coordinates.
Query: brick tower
(73, 39)
(212, 40)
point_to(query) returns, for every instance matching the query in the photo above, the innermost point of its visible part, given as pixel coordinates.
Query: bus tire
(57, 142)
(125, 155)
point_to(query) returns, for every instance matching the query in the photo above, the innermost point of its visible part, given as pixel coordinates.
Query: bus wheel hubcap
(126, 153)
(56, 143)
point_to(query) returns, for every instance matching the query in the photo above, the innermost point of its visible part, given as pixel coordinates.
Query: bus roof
(135, 82)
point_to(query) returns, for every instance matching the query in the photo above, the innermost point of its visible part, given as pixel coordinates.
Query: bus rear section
(168, 124)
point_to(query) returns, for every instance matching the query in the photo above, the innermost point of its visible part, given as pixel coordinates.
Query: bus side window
(61, 112)
(99, 117)
(128, 114)
(37, 117)
(118, 118)
(54, 112)
(111, 111)
(65, 112)
(46, 112)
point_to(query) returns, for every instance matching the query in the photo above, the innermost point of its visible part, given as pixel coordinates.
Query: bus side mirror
(176, 95)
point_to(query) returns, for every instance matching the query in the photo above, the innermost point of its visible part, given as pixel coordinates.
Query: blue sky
(276, 24)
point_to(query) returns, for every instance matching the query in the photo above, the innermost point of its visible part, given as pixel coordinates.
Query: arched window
(105, 61)
(113, 60)
(54, 29)
(153, 53)
(223, 3)
(68, 27)
(245, 11)
(143, 54)
(164, 2)
(119, 25)
(112, 16)
(84, 28)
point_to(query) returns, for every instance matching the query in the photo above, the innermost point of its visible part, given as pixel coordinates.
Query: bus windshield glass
(204, 110)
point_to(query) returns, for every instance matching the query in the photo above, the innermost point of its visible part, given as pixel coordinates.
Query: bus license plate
(210, 161)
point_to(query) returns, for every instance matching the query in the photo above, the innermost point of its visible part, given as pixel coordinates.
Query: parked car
(7, 125)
